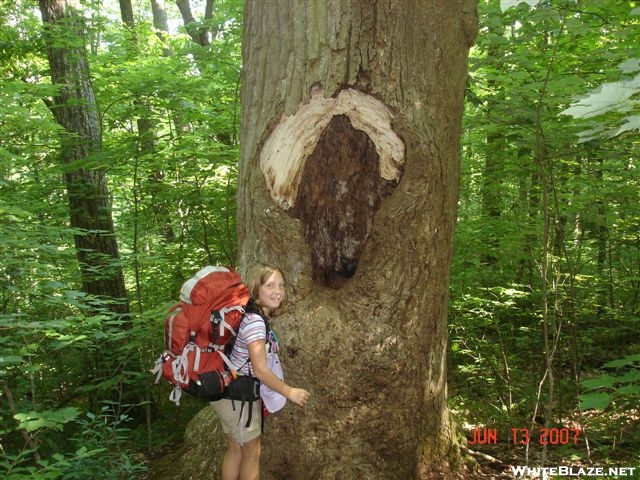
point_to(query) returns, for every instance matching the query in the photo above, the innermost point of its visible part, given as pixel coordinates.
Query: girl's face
(271, 292)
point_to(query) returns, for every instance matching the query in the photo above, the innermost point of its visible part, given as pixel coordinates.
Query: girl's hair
(258, 275)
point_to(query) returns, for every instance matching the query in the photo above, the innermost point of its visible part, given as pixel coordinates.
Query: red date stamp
(525, 436)
(546, 436)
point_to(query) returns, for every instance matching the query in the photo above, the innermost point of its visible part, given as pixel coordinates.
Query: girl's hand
(299, 396)
(258, 357)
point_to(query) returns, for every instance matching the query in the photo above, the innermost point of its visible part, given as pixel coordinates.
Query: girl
(242, 420)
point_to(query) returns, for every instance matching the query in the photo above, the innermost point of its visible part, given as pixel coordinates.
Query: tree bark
(160, 21)
(198, 32)
(349, 180)
(75, 109)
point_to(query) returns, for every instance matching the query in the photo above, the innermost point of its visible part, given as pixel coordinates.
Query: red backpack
(198, 329)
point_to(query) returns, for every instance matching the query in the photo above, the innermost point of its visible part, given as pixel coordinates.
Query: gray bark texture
(365, 326)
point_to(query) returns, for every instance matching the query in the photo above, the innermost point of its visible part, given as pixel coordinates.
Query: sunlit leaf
(596, 400)
(506, 4)
(53, 419)
(609, 97)
(630, 65)
(603, 381)
(623, 362)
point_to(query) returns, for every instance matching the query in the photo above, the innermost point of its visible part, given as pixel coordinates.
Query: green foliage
(493, 352)
(169, 110)
(623, 388)
(53, 419)
(545, 271)
(618, 99)
(99, 454)
(107, 431)
(549, 177)
(15, 466)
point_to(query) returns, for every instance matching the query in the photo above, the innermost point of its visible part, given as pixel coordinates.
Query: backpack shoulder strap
(271, 339)
(252, 307)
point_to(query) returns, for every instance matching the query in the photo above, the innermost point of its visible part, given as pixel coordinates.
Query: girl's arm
(258, 358)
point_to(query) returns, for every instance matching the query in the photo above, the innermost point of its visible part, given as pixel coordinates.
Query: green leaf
(628, 390)
(623, 362)
(631, 123)
(11, 360)
(613, 96)
(53, 419)
(596, 400)
(630, 65)
(603, 381)
(507, 4)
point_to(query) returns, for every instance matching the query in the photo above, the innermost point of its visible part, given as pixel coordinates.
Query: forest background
(545, 286)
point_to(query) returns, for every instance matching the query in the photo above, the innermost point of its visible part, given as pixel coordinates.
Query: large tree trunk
(75, 110)
(349, 180)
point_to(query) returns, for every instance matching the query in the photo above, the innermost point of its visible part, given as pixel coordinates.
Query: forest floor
(611, 442)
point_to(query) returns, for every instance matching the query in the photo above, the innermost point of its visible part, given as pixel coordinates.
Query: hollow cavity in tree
(331, 164)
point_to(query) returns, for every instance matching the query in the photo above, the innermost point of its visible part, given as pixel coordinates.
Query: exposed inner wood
(288, 148)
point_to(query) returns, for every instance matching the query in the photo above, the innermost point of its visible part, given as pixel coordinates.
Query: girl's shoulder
(253, 313)
(253, 324)
(253, 307)
(252, 318)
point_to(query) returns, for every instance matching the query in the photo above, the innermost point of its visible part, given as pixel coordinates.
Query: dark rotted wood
(339, 194)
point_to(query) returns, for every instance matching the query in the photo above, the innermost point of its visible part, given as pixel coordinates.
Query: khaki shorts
(234, 424)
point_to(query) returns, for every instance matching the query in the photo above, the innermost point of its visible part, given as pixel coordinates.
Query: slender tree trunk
(29, 440)
(75, 109)
(551, 324)
(126, 12)
(198, 32)
(493, 171)
(160, 21)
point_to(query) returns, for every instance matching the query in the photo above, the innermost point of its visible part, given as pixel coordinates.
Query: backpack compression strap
(219, 319)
